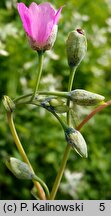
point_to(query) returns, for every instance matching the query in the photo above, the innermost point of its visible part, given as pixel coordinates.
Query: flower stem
(71, 78)
(67, 149)
(53, 93)
(64, 126)
(43, 185)
(40, 64)
(22, 153)
(60, 174)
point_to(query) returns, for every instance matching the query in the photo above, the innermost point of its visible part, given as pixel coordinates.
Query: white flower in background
(73, 180)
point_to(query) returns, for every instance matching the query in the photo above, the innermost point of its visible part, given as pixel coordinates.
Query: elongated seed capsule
(85, 98)
(76, 47)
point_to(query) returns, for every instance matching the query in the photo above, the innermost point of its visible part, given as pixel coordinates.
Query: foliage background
(41, 135)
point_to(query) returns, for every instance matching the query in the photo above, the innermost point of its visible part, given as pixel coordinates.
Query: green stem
(22, 152)
(60, 174)
(64, 126)
(22, 97)
(16, 138)
(71, 78)
(56, 93)
(40, 64)
(43, 185)
(67, 149)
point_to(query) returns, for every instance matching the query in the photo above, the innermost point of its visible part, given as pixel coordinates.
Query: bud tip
(80, 31)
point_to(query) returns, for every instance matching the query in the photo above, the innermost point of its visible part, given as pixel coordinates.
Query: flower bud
(85, 98)
(76, 46)
(8, 104)
(58, 105)
(20, 169)
(76, 140)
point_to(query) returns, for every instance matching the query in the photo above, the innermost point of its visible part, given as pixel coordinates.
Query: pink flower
(40, 24)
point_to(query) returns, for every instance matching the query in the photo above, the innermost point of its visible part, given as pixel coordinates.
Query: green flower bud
(76, 140)
(8, 104)
(20, 169)
(58, 105)
(85, 98)
(76, 46)
(55, 102)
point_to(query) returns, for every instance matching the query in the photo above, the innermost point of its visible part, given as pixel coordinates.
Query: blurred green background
(40, 133)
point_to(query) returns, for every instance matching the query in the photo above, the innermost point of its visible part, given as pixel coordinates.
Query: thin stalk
(43, 185)
(71, 78)
(28, 102)
(60, 174)
(39, 73)
(67, 149)
(64, 126)
(22, 97)
(56, 93)
(23, 154)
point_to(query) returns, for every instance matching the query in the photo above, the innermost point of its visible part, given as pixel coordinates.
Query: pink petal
(33, 8)
(24, 14)
(58, 15)
(34, 17)
(47, 6)
(42, 17)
